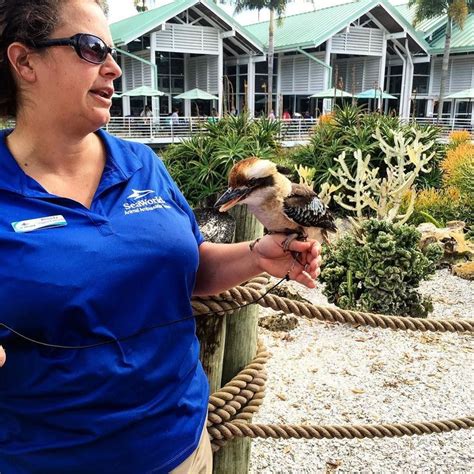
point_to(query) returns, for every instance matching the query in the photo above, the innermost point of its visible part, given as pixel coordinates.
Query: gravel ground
(322, 373)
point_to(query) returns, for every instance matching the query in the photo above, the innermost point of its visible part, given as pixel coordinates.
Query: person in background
(286, 115)
(213, 117)
(99, 257)
(175, 116)
(147, 115)
(271, 115)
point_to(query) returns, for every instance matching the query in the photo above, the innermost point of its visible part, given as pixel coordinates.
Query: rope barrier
(231, 408)
(226, 302)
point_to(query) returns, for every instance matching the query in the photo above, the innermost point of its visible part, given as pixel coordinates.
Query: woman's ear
(20, 58)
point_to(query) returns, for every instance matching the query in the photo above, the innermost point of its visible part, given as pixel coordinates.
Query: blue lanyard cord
(138, 333)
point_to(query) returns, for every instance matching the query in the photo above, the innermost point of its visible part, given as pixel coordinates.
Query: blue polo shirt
(124, 265)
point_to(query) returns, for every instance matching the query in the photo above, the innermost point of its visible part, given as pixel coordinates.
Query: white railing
(447, 125)
(293, 131)
(168, 129)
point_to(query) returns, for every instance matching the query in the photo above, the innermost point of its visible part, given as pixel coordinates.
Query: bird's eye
(253, 182)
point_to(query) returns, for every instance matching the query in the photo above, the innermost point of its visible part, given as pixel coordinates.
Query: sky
(119, 9)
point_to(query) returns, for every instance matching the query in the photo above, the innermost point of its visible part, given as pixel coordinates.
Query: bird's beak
(230, 198)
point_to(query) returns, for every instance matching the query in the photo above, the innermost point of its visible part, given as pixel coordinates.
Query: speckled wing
(304, 207)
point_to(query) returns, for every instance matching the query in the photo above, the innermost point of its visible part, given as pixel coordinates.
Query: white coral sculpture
(404, 160)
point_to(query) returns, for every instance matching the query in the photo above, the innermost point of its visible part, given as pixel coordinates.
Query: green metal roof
(425, 26)
(135, 26)
(462, 41)
(126, 30)
(315, 27)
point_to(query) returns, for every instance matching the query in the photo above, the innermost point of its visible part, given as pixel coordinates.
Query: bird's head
(247, 178)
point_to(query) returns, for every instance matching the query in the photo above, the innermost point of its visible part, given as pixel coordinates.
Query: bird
(280, 205)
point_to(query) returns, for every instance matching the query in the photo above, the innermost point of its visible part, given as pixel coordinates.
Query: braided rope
(231, 408)
(228, 301)
(238, 428)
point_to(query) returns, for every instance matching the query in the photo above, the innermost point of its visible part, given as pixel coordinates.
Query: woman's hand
(275, 260)
(3, 356)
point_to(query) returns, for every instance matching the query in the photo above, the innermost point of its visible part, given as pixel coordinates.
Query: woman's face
(72, 91)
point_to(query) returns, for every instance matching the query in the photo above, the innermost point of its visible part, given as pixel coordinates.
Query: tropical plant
(457, 137)
(378, 269)
(276, 7)
(440, 206)
(458, 168)
(200, 165)
(350, 129)
(456, 12)
(384, 195)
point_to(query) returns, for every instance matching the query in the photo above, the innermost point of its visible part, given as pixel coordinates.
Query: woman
(98, 245)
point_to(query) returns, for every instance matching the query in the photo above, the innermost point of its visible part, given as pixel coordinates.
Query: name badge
(39, 223)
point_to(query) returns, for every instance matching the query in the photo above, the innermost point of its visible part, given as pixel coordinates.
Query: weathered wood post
(240, 349)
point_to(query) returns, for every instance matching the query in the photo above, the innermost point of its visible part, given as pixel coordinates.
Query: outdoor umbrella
(374, 94)
(465, 94)
(331, 93)
(143, 91)
(196, 94)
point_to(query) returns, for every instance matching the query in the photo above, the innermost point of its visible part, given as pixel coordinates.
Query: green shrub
(201, 165)
(379, 269)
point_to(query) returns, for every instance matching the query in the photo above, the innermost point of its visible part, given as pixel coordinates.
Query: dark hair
(24, 21)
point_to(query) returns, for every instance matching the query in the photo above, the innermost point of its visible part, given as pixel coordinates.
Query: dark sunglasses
(88, 47)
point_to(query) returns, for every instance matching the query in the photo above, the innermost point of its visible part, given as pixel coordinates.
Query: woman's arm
(223, 266)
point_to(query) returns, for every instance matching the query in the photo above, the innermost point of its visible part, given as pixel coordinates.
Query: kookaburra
(280, 205)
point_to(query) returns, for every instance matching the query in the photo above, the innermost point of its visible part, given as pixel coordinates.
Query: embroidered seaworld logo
(142, 203)
(137, 194)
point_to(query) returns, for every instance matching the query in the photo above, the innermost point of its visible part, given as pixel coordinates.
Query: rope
(236, 429)
(226, 302)
(231, 408)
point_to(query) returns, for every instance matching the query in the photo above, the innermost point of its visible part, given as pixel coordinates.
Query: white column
(383, 62)
(187, 102)
(327, 103)
(251, 87)
(327, 60)
(278, 90)
(429, 107)
(155, 101)
(220, 73)
(125, 99)
(409, 81)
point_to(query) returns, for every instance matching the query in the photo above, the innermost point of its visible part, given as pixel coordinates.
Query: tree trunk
(444, 69)
(240, 349)
(271, 50)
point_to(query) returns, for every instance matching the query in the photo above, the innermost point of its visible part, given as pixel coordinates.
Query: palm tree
(142, 7)
(456, 12)
(276, 7)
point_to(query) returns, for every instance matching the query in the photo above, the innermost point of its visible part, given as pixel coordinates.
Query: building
(360, 45)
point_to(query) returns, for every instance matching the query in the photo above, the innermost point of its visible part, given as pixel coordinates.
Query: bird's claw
(286, 245)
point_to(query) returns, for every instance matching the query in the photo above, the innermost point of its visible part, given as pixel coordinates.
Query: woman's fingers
(3, 356)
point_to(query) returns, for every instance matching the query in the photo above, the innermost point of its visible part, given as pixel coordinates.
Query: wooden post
(240, 349)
